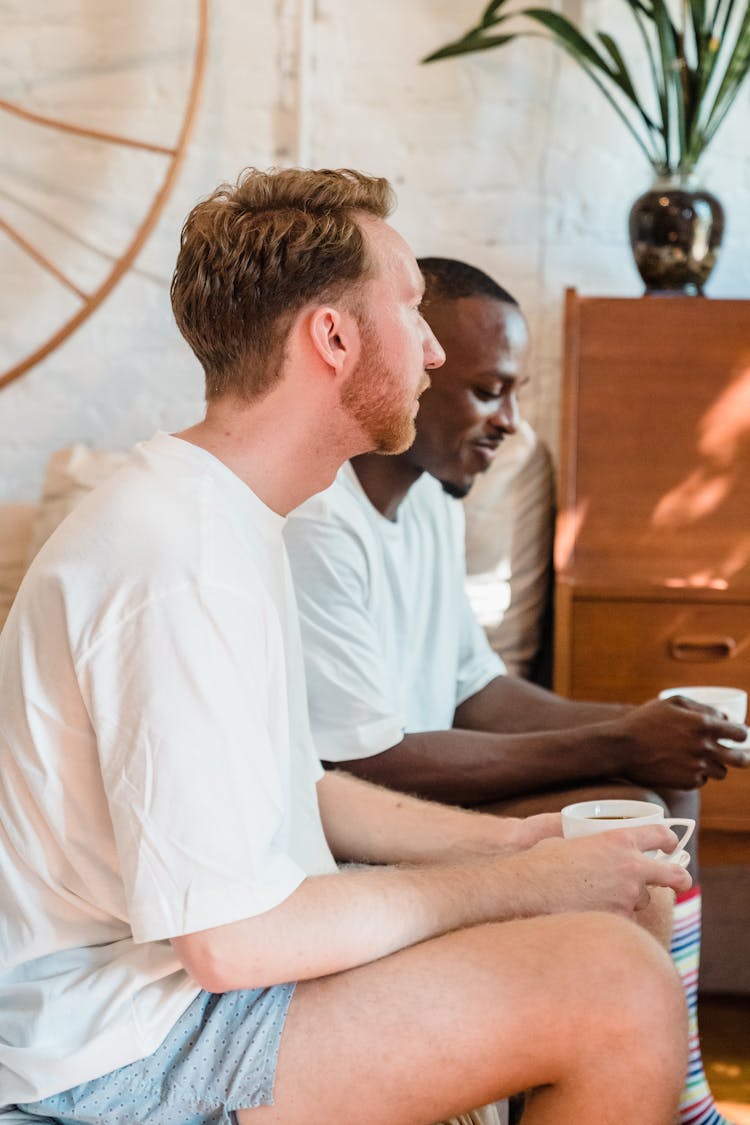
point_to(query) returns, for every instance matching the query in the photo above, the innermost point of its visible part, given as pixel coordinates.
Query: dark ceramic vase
(675, 234)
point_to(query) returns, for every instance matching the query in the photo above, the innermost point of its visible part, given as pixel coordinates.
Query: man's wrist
(611, 745)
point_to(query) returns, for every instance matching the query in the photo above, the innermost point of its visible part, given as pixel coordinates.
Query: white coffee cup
(586, 818)
(730, 700)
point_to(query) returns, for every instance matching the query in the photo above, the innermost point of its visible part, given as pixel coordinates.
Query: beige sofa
(69, 475)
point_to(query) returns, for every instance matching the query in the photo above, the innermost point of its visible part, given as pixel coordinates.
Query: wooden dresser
(652, 550)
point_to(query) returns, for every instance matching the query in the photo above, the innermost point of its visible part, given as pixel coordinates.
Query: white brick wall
(510, 160)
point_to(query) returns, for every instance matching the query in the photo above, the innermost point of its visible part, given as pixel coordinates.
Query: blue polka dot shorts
(219, 1057)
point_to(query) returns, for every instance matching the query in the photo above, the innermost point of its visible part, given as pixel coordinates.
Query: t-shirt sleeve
(180, 696)
(352, 710)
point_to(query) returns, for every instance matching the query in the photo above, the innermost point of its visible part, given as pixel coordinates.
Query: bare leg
(677, 929)
(584, 1009)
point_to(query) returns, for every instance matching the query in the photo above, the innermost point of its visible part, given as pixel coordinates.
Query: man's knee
(632, 985)
(580, 958)
(600, 983)
(601, 955)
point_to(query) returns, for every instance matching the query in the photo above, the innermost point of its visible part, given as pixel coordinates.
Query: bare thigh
(474, 1016)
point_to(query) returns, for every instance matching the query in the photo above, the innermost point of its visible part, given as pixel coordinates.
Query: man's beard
(374, 397)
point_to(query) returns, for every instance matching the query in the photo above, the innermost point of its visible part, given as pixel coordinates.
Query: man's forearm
(509, 705)
(335, 922)
(371, 824)
(468, 767)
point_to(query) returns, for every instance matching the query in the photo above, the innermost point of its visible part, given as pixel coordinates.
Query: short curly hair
(255, 253)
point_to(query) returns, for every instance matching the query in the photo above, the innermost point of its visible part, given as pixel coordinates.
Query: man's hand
(674, 743)
(607, 871)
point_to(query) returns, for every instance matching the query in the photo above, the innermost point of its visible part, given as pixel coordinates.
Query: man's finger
(662, 873)
(688, 704)
(649, 837)
(735, 732)
(643, 900)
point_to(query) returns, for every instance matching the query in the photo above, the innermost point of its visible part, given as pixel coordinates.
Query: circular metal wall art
(88, 299)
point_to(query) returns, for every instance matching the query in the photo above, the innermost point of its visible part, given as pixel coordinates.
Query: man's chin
(457, 491)
(397, 440)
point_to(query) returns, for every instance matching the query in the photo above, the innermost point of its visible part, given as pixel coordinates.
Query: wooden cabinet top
(655, 472)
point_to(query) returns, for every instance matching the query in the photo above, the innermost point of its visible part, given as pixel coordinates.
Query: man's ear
(334, 336)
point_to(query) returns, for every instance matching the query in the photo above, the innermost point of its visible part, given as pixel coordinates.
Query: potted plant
(695, 63)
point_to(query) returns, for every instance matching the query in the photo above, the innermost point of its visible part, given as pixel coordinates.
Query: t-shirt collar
(224, 479)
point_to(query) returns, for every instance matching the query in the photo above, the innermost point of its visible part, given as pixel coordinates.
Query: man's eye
(485, 395)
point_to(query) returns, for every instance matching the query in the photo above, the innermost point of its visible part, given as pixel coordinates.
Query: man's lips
(486, 448)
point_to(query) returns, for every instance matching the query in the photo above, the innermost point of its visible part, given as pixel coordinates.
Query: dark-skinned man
(403, 687)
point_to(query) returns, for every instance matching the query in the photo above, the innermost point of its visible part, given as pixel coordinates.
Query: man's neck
(275, 452)
(385, 480)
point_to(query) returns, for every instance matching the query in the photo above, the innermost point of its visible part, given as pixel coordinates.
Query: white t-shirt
(391, 644)
(157, 774)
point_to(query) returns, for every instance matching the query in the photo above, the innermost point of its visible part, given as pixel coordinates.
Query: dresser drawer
(628, 651)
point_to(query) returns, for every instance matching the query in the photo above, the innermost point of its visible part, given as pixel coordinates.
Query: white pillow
(70, 474)
(509, 526)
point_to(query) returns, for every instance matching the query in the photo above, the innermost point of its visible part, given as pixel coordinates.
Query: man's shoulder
(342, 504)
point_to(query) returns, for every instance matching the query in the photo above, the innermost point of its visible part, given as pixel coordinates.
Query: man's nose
(507, 416)
(434, 356)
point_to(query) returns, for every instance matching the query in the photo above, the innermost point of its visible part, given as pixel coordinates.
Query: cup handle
(689, 825)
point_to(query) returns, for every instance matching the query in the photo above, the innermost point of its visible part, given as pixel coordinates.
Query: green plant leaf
(666, 35)
(571, 40)
(640, 14)
(717, 47)
(624, 80)
(569, 36)
(488, 15)
(734, 75)
(698, 24)
(709, 60)
(469, 43)
(720, 19)
(696, 67)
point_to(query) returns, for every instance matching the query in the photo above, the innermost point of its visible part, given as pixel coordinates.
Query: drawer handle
(702, 648)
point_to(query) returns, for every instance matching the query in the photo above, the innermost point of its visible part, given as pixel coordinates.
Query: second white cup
(732, 701)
